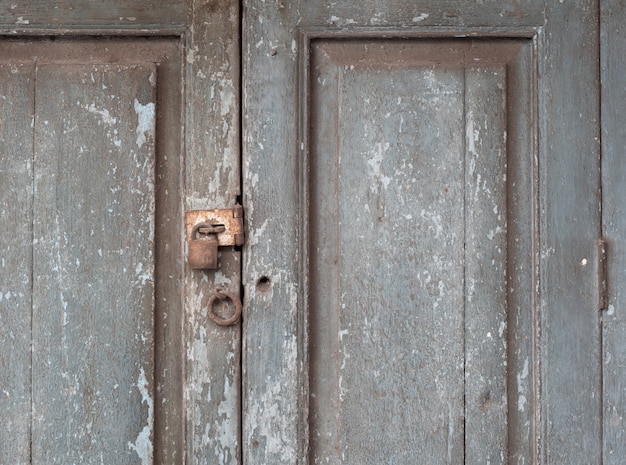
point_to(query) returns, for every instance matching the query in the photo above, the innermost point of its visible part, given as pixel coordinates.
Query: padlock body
(202, 254)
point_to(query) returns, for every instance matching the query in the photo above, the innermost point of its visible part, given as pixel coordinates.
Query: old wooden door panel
(562, 426)
(93, 264)
(89, 160)
(350, 188)
(408, 309)
(195, 363)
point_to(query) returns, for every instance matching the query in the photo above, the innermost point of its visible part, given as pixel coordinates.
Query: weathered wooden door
(115, 118)
(424, 194)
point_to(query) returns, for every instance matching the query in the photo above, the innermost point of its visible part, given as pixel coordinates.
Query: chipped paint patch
(375, 169)
(420, 17)
(521, 400)
(143, 444)
(271, 416)
(191, 55)
(471, 134)
(501, 328)
(145, 122)
(104, 114)
(143, 276)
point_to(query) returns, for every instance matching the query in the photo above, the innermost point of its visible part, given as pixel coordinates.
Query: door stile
(613, 115)
(569, 187)
(212, 179)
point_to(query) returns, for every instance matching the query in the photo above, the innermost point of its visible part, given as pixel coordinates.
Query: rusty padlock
(202, 253)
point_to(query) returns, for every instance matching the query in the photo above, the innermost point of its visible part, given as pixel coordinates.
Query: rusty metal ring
(221, 294)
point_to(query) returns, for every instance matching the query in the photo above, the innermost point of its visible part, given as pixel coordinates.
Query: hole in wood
(263, 284)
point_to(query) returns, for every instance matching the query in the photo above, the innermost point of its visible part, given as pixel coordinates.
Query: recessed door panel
(93, 263)
(411, 328)
(81, 298)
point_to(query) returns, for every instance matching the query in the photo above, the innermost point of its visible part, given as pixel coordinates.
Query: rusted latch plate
(207, 230)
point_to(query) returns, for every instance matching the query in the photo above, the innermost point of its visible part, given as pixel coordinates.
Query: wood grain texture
(411, 13)
(486, 254)
(68, 15)
(275, 346)
(570, 225)
(614, 229)
(16, 222)
(83, 129)
(93, 262)
(163, 203)
(210, 54)
(212, 180)
(272, 364)
(407, 126)
(387, 261)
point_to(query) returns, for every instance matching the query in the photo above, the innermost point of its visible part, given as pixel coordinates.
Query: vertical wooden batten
(613, 69)
(106, 205)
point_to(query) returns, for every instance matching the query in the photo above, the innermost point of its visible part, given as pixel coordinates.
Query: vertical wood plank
(212, 180)
(486, 248)
(93, 348)
(614, 229)
(386, 311)
(272, 367)
(16, 222)
(569, 228)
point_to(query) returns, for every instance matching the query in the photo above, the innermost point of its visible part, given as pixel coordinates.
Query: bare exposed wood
(614, 229)
(16, 203)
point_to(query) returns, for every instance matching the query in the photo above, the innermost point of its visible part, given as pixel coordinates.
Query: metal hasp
(207, 230)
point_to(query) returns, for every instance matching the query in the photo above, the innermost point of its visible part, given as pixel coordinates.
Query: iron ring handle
(221, 295)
